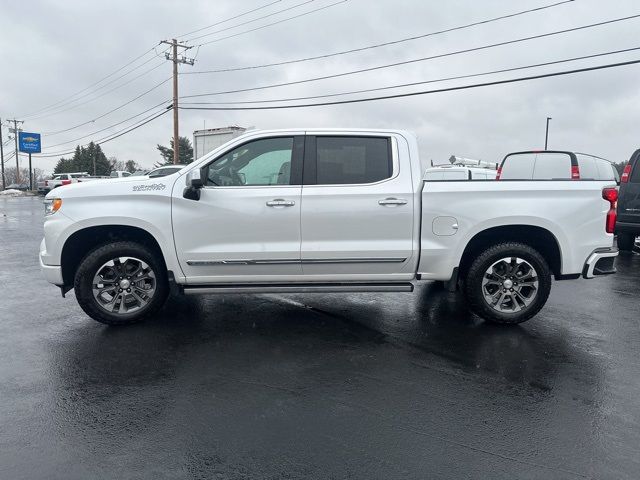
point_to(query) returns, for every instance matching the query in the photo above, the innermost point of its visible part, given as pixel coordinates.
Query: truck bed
(453, 212)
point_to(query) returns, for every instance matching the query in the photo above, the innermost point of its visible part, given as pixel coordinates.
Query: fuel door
(444, 226)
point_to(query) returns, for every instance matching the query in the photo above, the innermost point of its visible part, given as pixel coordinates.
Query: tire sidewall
(94, 260)
(473, 284)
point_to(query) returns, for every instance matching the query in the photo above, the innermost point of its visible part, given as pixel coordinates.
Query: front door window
(261, 162)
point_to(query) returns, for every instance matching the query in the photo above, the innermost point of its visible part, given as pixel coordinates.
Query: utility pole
(15, 137)
(176, 59)
(546, 135)
(2, 156)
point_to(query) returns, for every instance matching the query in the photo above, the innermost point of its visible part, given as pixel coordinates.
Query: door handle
(280, 202)
(392, 201)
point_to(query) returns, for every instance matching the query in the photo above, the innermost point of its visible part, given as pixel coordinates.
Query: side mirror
(194, 184)
(194, 179)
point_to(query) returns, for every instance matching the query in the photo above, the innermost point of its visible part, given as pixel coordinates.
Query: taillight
(46, 183)
(625, 174)
(575, 172)
(66, 182)
(610, 194)
(498, 173)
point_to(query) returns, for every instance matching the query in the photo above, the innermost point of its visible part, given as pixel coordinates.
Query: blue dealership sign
(29, 142)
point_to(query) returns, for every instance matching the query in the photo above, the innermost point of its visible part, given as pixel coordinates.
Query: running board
(297, 288)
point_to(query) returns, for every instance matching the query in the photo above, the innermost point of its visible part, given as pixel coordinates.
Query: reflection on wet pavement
(315, 386)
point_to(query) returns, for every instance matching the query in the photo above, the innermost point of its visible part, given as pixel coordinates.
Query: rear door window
(352, 160)
(536, 166)
(518, 166)
(588, 167)
(606, 171)
(552, 166)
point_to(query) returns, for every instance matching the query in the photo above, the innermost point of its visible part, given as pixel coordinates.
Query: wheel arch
(539, 238)
(81, 242)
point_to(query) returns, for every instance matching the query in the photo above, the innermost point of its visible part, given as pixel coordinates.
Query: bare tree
(116, 164)
(10, 175)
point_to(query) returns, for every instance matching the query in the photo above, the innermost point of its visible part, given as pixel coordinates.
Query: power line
(415, 60)
(250, 21)
(93, 84)
(229, 19)
(412, 84)
(96, 97)
(110, 111)
(65, 100)
(426, 92)
(385, 44)
(273, 23)
(110, 126)
(111, 137)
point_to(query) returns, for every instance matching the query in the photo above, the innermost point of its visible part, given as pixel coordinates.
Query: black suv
(628, 223)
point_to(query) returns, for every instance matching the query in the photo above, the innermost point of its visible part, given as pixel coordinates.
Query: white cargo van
(556, 165)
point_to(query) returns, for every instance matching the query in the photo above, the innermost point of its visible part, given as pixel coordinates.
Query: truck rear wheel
(121, 283)
(626, 241)
(508, 283)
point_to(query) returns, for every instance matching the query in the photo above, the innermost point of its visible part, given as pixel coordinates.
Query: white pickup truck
(322, 211)
(60, 179)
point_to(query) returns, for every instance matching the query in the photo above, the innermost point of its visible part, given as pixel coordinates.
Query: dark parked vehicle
(628, 223)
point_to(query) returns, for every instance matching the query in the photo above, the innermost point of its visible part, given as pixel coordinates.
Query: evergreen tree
(131, 166)
(64, 165)
(89, 159)
(185, 153)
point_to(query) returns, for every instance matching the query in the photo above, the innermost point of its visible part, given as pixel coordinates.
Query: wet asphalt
(316, 386)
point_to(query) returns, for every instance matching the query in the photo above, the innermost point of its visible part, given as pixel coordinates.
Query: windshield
(164, 171)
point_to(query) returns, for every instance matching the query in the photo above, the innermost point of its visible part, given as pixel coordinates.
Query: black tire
(474, 290)
(626, 241)
(95, 259)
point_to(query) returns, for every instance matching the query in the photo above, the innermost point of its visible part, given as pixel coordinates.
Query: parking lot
(318, 386)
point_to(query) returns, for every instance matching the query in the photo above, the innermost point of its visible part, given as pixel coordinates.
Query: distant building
(207, 140)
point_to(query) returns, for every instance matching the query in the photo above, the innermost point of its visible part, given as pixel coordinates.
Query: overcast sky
(51, 50)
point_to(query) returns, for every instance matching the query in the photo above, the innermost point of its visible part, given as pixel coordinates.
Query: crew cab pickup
(58, 180)
(322, 211)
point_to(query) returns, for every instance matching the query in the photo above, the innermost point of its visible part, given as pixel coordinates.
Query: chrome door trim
(286, 261)
(354, 260)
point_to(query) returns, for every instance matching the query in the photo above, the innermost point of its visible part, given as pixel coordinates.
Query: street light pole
(546, 135)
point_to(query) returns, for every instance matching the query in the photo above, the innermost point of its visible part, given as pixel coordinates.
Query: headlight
(52, 205)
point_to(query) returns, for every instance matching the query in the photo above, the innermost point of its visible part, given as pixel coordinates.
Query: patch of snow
(10, 192)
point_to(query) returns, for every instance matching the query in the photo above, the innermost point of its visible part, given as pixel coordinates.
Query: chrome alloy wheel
(123, 285)
(510, 284)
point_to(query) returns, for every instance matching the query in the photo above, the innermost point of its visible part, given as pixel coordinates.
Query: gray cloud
(51, 49)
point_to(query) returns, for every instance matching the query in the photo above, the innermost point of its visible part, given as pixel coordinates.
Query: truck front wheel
(508, 283)
(121, 283)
